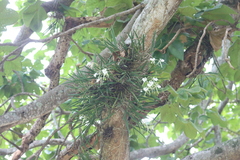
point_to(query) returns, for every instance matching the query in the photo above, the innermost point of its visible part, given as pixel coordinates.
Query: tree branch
(226, 150)
(153, 152)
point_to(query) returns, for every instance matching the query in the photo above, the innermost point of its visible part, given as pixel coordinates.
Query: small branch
(19, 134)
(217, 133)
(197, 50)
(10, 142)
(89, 54)
(157, 151)
(5, 102)
(48, 139)
(171, 41)
(201, 139)
(72, 30)
(56, 124)
(5, 58)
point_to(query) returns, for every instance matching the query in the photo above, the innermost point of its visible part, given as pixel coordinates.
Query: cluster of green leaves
(184, 109)
(8, 16)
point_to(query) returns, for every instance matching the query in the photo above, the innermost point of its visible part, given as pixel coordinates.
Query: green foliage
(220, 12)
(107, 83)
(8, 16)
(33, 15)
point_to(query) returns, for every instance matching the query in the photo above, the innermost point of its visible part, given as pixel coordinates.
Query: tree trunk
(115, 137)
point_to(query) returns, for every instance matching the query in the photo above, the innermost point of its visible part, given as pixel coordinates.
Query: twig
(89, 54)
(199, 140)
(225, 48)
(56, 124)
(20, 135)
(72, 30)
(198, 48)
(12, 53)
(49, 137)
(171, 41)
(11, 142)
(5, 102)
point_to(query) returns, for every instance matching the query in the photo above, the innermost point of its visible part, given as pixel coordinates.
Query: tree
(121, 73)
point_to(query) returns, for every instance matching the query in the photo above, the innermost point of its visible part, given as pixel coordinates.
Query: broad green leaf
(187, 11)
(227, 72)
(70, 11)
(179, 124)
(221, 95)
(38, 65)
(166, 114)
(203, 118)
(68, 64)
(234, 52)
(220, 12)
(169, 112)
(7, 49)
(237, 76)
(183, 94)
(189, 130)
(216, 118)
(188, 21)
(8, 16)
(172, 91)
(10, 66)
(93, 4)
(195, 89)
(127, 3)
(33, 16)
(191, 2)
(3, 4)
(114, 9)
(27, 62)
(110, 11)
(35, 73)
(184, 103)
(176, 49)
(152, 141)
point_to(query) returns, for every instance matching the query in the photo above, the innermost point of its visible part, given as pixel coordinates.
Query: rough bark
(114, 136)
(229, 150)
(53, 73)
(70, 151)
(35, 109)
